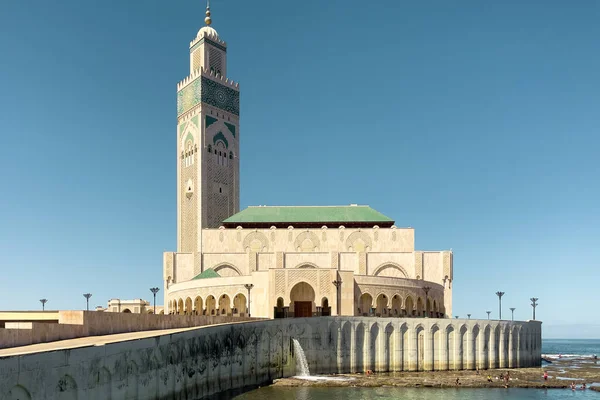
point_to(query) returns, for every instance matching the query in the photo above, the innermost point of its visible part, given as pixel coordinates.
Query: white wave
(558, 356)
(321, 378)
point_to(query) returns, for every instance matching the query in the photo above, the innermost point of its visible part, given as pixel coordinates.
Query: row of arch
(395, 307)
(211, 305)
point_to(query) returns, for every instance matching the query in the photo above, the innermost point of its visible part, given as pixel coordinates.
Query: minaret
(208, 110)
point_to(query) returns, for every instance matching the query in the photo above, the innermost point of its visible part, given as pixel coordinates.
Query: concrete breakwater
(199, 363)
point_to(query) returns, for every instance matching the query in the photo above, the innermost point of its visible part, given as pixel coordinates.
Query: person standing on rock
(545, 375)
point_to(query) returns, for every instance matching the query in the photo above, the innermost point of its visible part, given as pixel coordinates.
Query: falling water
(301, 363)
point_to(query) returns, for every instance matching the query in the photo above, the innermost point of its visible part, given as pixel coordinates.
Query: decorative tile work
(209, 121)
(307, 275)
(358, 235)
(182, 128)
(220, 96)
(208, 41)
(231, 128)
(210, 92)
(221, 137)
(419, 263)
(188, 214)
(252, 261)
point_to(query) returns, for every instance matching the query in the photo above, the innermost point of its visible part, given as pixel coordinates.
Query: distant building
(136, 306)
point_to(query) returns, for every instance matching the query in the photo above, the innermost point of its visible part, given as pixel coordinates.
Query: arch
(211, 305)
(227, 270)
(224, 305)
(358, 241)
(436, 345)
(359, 354)
(302, 299)
(391, 270)
(420, 307)
(240, 305)
(325, 308)
(150, 311)
(451, 354)
(381, 305)
(409, 306)
(307, 265)
(307, 242)
(126, 311)
(255, 242)
(219, 137)
(279, 305)
(18, 392)
(198, 306)
(396, 305)
(429, 308)
(188, 306)
(365, 303)
(180, 309)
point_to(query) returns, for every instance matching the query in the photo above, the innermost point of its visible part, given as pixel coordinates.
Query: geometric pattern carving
(256, 238)
(168, 272)
(210, 92)
(307, 241)
(354, 241)
(335, 260)
(279, 260)
(375, 232)
(447, 265)
(324, 233)
(362, 263)
(279, 283)
(307, 275)
(324, 282)
(252, 261)
(419, 264)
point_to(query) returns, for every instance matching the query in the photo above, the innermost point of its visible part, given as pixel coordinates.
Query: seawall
(198, 363)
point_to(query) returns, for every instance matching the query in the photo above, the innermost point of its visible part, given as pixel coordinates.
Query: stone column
(412, 348)
(367, 348)
(511, 363)
(481, 354)
(502, 348)
(338, 362)
(470, 350)
(353, 348)
(428, 353)
(444, 362)
(493, 350)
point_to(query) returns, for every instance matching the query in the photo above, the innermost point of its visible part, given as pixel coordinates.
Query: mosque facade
(278, 262)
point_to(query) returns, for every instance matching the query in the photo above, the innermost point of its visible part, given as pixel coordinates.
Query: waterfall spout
(301, 363)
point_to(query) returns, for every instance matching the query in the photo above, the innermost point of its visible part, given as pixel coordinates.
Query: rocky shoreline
(561, 373)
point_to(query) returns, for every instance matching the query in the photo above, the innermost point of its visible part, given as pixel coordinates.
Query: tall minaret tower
(208, 135)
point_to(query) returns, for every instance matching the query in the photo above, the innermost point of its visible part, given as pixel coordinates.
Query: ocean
(551, 348)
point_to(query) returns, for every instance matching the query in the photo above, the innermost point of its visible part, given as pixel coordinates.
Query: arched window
(209, 148)
(231, 155)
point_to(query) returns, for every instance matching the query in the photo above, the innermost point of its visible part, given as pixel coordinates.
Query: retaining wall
(199, 363)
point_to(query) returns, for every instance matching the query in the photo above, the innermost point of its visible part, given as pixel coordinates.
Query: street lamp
(512, 310)
(456, 316)
(154, 290)
(249, 286)
(426, 289)
(43, 301)
(534, 305)
(469, 316)
(87, 300)
(337, 283)
(500, 294)
(488, 313)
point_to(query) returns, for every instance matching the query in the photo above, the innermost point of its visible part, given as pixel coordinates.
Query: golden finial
(207, 19)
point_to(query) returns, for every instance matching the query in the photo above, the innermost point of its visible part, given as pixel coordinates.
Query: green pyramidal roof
(209, 273)
(305, 216)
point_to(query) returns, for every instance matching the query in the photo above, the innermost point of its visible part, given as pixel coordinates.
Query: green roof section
(209, 273)
(307, 214)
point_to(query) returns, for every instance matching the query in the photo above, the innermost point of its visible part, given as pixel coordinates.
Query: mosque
(278, 262)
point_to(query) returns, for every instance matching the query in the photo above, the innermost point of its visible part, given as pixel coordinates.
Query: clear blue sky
(476, 122)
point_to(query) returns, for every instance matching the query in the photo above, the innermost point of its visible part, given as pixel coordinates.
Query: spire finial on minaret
(207, 19)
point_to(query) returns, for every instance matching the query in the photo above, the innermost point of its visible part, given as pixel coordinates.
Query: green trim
(188, 137)
(308, 214)
(210, 92)
(221, 137)
(231, 128)
(209, 121)
(208, 41)
(207, 274)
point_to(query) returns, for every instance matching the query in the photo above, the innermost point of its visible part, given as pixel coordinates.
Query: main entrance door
(302, 309)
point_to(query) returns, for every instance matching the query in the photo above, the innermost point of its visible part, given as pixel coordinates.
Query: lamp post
(87, 300)
(154, 290)
(500, 294)
(534, 305)
(456, 316)
(426, 289)
(488, 313)
(337, 283)
(43, 301)
(512, 316)
(469, 316)
(249, 286)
